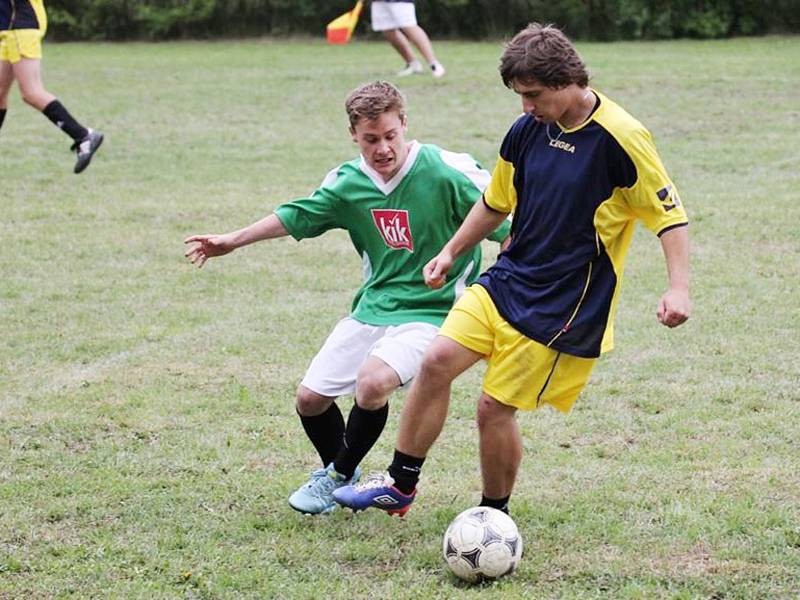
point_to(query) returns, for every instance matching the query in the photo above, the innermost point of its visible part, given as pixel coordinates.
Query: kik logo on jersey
(393, 225)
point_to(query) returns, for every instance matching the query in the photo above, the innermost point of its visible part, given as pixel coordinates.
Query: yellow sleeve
(653, 198)
(501, 194)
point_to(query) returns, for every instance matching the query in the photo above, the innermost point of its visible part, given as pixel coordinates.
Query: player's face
(543, 103)
(383, 143)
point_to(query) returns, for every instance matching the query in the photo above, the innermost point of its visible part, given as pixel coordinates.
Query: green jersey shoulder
(397, 226)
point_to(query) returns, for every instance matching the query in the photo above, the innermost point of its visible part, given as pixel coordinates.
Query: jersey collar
(599, 101)
(387, 187)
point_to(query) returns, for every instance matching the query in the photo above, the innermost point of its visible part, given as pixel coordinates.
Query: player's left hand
(674, 308)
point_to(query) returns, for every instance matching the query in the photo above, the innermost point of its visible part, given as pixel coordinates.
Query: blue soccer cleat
(316, 495)
(378, 491)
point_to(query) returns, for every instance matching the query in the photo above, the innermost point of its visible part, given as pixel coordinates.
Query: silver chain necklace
(552, 139)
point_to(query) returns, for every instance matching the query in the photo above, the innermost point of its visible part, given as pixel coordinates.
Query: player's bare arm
(480, 222)
(209, 245)
(675, 307)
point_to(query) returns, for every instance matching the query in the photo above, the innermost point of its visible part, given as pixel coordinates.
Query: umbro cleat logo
(384, 500)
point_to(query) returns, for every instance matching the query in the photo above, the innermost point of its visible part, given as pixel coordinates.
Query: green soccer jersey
(397, 226)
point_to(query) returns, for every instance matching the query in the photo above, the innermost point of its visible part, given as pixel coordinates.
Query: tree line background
(472, 19)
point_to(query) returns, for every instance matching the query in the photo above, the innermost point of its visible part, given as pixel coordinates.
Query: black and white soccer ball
(482, 543)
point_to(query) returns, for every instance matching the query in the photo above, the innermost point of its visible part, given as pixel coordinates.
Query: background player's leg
(421, 40)
(28, 73)
(6, 80)
(400, 43)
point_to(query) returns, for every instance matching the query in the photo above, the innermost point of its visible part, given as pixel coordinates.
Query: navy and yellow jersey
(576, 195)
(22, 14)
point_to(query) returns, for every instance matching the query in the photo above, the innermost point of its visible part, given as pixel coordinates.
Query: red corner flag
(341, 28)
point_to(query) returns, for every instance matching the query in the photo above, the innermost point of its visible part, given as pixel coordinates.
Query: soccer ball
(482, 543)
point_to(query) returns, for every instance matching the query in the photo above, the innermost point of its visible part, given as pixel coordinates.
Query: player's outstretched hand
(205, 247)
(674, 308)
(435, 272)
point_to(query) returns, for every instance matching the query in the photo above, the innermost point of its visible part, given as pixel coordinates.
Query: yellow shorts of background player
(16, 44)
(521, 372)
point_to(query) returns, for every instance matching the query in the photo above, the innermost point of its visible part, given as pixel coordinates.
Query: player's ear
(353, 134)
(404, 121)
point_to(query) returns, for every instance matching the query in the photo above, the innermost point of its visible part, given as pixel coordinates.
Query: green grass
(148, 439)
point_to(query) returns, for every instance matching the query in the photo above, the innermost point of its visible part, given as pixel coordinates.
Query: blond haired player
(399, 202)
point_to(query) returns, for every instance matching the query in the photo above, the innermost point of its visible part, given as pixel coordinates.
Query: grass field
(148, 440)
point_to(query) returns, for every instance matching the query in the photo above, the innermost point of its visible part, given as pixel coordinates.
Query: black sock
(405, 471)
(364, 427)
(498, 503)
(326, 432)
(2, 115)
(61, 118)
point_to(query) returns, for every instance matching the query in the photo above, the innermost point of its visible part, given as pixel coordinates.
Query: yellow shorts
(521, 372)
(16, 44)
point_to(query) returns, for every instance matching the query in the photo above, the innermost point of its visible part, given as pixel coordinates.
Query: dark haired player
(577, 172)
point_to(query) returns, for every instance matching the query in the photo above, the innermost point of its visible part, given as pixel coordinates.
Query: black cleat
(86, 149)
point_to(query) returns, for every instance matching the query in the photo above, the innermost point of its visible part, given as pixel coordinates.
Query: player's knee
(29, 98)
(437, 364)
(490, 412)
(34, 98)
(310, 404)
(372, 390)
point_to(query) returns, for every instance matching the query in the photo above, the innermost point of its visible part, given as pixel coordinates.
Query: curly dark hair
(542, 53)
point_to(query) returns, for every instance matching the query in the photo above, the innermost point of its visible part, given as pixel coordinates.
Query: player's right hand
(435, 272)
(674, 308)
(205, 247)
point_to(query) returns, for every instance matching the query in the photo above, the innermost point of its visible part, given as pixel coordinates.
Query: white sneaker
(437, 70)
(412, 68)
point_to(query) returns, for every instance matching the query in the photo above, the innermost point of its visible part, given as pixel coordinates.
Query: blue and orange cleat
(379, 491)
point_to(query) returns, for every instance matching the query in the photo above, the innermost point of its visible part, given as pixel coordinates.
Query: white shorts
(334, 368)
(392, 15)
